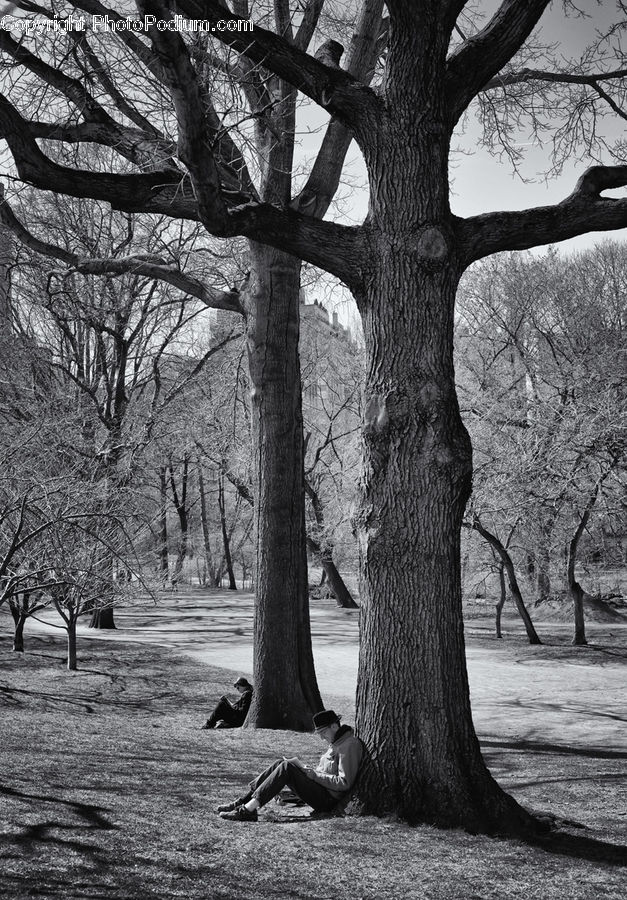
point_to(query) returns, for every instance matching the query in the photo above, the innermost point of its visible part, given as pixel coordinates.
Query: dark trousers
(224, 712)
(285, 774)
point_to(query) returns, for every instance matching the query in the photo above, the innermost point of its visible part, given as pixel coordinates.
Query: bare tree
(403, 265)
(540, 373)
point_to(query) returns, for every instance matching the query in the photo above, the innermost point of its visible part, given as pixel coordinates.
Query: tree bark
(71, 644)
(180, 504)
(286, 691)
(501, 603)
(225, 535)
(576, 590)
(343, 596)
(163, 525)
(19, 620)
(414, 716)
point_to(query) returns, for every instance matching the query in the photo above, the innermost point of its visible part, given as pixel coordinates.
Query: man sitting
(321, 787)
(232, 715)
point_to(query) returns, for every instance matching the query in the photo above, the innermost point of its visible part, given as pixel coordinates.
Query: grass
(108, 790)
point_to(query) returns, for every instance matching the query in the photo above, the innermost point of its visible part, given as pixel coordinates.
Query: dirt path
(553, 694)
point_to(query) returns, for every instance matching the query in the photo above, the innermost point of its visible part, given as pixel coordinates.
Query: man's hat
(243, 682)
(325, 718)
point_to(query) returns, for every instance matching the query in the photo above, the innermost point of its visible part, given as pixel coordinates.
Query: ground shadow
(578, 846)
(537, 747)
(90, 819)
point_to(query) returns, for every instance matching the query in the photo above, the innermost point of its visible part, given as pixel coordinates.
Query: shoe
(205, 726)
(229, 807)
(241, 814)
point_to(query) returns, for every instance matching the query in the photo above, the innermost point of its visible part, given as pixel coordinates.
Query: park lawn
(108, 790)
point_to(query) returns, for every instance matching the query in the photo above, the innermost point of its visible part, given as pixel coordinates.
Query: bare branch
(329, 86)
(126, 108)
(308, 24)
(195, 139)
(315, 197)
(524, 75)
(148, 192)
(584, 210)
(337, 248)
(141, 50)
(480, 57)
(148, 266)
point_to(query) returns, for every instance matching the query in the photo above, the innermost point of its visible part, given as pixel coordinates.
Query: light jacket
(338, 767)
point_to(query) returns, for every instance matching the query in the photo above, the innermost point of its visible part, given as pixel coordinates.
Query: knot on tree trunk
(432, 247)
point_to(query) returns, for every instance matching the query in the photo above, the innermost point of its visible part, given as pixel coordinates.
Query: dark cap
(325, 718)
(243, 682)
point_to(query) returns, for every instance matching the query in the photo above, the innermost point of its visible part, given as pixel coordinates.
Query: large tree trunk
(414, 716)
(286, 692)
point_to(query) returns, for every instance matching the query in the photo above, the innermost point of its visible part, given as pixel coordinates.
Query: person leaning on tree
(321, 788)
(228, 714)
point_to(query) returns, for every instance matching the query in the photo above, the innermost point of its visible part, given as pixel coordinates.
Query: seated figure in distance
(232, 714)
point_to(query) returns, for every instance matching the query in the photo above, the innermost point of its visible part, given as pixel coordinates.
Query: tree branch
(308, 24)
(148, 192)
(112, 133)
(482, 56)
(584, 210)
(137, 46)
(122, 104)
(71, 88)
(195, 142)
(148, 266)
(315, 197)
(524, 75)
(329, 86)
(337, 248)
